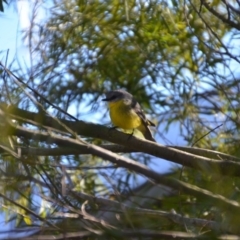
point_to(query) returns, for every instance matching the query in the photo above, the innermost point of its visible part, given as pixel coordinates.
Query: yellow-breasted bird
(126, 113)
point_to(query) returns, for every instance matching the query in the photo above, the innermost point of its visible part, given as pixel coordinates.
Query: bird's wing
(136, 106)
(144, 128)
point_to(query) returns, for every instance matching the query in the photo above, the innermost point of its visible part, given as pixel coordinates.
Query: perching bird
(126, 113)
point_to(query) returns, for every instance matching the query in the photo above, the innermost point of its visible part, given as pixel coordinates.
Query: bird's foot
(131, 134)
(113, 128)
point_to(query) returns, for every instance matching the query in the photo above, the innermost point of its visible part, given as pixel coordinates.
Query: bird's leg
(112, 128)
(131, 134)
(115, 127)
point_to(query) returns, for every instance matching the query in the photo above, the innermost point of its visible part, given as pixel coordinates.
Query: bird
(127, 114)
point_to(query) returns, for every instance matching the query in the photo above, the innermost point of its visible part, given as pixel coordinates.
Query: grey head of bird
(114, 96)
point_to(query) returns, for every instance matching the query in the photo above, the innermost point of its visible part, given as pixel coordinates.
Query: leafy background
(178, 58)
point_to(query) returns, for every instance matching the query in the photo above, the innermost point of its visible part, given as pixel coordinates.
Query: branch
(60, 151)
(142, 233)
(133, 165)
(220, 166)
(124, 233)
(219, 16)
(147, 147)
(117, 207)
(27, 210)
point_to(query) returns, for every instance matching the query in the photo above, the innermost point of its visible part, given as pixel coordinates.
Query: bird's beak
(105, 99)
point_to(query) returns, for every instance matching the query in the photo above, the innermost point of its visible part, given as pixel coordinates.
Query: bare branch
(146, 146)
(30, 212)
(225, 167)
(220, 16)
(117, 207)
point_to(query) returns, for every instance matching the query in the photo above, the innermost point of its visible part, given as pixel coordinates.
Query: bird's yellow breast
(123, 115)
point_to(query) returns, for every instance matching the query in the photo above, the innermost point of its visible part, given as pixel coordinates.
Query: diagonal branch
(220, 166)
(220, 16)
(133, 165)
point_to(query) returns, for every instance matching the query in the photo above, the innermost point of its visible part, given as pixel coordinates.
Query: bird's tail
(144, 129)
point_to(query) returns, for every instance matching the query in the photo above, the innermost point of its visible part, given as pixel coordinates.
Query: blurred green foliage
(178, 58)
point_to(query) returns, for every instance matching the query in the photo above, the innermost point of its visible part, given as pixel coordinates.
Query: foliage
(180, 59)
